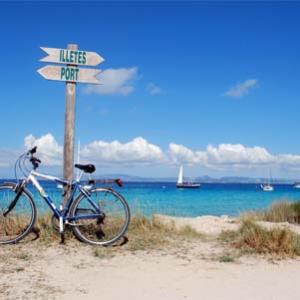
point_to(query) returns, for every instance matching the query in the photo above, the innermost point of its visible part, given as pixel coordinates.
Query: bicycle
(97, 215)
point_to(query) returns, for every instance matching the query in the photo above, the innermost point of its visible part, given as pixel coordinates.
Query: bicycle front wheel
(19, 220)
(106, 228)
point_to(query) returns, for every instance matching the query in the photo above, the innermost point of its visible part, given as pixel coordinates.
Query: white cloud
(49, 150)
(223, 155)
(180, 154)
(115, 82)
(241, 89)
(237, 154)
(140, 152)
(153, 89)
(289, 160)
(137, 151)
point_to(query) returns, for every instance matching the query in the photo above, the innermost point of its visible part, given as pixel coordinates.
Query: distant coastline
(201, 179)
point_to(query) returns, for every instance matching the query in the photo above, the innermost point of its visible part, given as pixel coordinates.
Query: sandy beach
(164, 131)
(190, 269)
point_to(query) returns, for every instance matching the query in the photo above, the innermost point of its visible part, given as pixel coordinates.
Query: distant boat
(181, 184)
(267, 187)
(297, 185)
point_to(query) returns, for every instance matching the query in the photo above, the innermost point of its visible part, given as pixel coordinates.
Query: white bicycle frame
(32, 178)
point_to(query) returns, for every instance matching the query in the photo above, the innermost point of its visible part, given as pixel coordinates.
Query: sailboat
(267, 187)
(181, 184)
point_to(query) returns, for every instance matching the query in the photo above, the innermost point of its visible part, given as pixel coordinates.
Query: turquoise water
(209, 199)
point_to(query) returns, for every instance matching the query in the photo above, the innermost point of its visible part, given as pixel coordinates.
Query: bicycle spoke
(109, 225)
(17, 223)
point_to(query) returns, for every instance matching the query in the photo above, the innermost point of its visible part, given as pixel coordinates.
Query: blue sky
(191, 74)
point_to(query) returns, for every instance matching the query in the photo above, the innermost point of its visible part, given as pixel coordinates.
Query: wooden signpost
(68, 56)
(71, 74)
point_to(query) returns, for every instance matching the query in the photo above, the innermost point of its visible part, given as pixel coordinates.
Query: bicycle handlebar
(34, 160)
(32, 151)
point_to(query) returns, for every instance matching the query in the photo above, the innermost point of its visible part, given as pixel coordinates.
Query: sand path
(191, 271)
(58, 273)
(169, 278)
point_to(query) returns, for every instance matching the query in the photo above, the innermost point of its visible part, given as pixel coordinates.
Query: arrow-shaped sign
(72, 57)
(70, 74)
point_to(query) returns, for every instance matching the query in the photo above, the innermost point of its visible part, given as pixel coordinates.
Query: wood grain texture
(69, 132)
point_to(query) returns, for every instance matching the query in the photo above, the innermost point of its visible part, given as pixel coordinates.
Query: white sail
(268, 187)
(180, 175)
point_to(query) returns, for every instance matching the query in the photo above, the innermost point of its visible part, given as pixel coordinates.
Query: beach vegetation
(254, 238)
(20, 269)
(284, 211)
(143, 234)
(148, 233)
(226, 258)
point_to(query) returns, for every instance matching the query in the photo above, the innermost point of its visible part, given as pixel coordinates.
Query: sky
(211, 85)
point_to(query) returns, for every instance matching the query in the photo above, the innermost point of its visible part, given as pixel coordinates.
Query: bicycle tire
(78, 228)
(23, 233)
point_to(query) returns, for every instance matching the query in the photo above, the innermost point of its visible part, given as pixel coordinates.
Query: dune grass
(253, 238)
(148, 233)
(143, 233)
(284, 211)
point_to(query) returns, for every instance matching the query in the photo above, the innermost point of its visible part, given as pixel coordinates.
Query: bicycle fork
(18, 190)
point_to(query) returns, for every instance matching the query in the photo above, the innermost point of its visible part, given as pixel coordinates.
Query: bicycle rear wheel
(107, 228)
(20, 219)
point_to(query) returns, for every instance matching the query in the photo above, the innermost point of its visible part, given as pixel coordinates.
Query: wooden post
(71, 74)
(69, 131)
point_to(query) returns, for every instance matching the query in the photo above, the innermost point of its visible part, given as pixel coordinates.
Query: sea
(217, 199)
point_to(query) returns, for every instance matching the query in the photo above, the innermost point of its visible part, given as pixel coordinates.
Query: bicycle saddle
(86, 168)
